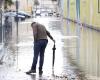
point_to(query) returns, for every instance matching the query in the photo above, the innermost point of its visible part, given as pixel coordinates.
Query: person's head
(32, 23)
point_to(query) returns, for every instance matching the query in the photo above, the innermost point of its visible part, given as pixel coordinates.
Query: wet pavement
(18, 55)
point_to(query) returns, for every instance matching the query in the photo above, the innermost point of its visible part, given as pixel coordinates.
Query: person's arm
(49, 35)
(34, 27)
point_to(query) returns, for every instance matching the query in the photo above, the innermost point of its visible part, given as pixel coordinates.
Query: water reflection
(89, 57)
(90, 44)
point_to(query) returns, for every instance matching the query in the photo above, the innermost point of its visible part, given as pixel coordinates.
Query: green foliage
(36, 2)
(8, 3)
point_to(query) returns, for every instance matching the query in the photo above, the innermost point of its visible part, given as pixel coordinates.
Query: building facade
(26, 5)
(23, 5)
(89, 11)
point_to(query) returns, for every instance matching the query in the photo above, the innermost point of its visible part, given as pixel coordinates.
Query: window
(98, 6)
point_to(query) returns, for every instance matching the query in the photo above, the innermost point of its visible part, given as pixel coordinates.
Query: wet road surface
(18, 57)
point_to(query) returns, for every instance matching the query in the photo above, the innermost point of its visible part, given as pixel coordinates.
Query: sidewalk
(19, 56)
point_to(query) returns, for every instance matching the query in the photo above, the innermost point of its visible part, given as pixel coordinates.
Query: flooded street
(88, 58)
(69, 65)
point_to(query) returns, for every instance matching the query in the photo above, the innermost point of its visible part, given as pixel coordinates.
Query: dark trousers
(39, 49)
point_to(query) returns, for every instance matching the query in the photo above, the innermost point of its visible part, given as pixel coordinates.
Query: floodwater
(86, 52)
(77, 55)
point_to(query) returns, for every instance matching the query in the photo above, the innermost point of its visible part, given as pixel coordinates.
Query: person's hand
(53, 40)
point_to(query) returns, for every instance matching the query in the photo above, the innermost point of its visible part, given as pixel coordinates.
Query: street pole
(17, 17)
(17, 29)
(27, 5)
(1, 29)
(78, 29)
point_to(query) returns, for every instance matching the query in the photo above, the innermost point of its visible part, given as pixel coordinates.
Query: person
(40, 42)
(7, 27)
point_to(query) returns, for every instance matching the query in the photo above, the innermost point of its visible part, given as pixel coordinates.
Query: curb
(84, 24)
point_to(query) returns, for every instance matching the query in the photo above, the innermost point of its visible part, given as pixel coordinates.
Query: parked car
(44, 13)
(24, 14)
(38, 12)
(50, 12)
(16, 16)
(19, 18)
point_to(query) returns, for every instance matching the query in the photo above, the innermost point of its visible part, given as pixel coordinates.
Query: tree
(7, 3)
(36, 3)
